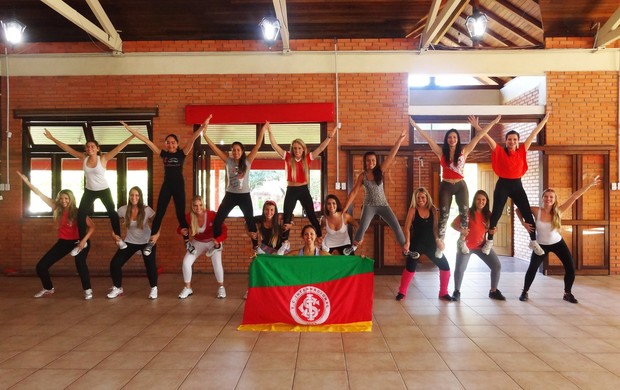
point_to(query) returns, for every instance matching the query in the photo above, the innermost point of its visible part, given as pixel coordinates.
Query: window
(50, 169)
(267, 177)
(437, 131)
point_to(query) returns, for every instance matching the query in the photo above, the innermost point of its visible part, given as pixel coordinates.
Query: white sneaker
(461, 244)
(121, 244)
(259, 251)
(211, 252)
(88, 294)
(115, 292)
(221, 292)
(350, 250)
(486, 248)
(285, 248)
(536, 248)
(186, 292)
(324, 248)
(76, 251)
(148, 248)
(412, 254)
(190, 248)
(44, 293)
(438, 253)
(153, 293)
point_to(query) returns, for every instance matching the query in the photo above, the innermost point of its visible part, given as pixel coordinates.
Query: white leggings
(216, 260)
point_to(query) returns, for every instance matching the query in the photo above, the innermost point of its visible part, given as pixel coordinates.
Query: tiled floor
(420, 343)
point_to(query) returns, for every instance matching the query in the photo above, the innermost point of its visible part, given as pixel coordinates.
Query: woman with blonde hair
(297, 162)
(422, 236)
(200, 222)
(548, 226)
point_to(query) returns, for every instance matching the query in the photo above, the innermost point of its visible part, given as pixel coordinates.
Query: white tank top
(336, 238)
(95, 177)
(545, 233)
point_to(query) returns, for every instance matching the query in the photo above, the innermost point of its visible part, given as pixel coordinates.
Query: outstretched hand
(206, 122)
(596, 180)
(47, 134)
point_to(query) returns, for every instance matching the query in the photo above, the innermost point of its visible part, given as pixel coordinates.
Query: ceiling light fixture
(270, 28)
(476, 24)
(13, 31)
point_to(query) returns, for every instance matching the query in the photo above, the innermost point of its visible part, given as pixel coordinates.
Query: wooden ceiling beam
(430, 19)
(521, 13)
(455, 15)
(509, 26)
(609, 32)
(439, 23)
(280, 8)
(491, 33)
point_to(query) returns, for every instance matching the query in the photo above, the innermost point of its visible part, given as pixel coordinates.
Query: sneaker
(497, 295)
(88, 294)
(190, 248)
(76, 251)
(148, 248)
(438, 254)
(285, 248)
(212, 251)
(121, 244)
(447, 297)
(456, 295)
(44, 293)
(324, 248)
(461, 244)
(348, 251)
(259, 251)
(115, 292)
(221, 292)
(486, 248)
(153, 293)
(535, 246)
(400, 296)
(186, 292)
(570, 298)
(413, 255)
(523, 296)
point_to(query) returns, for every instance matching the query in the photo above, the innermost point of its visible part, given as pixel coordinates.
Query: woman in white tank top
(335, 222)
(548, 227)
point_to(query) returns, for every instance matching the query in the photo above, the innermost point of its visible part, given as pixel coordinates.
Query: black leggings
(429, 251)
(511, 188)
(59, 250)
(175, 190)
(561, 251)
(123, 255)
(86, 208)
(460, 192)
(301, 194)
(230, 201)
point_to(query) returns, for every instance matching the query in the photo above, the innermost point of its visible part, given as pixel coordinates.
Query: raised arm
(431, 142)
(354, 191)
(479, 134)
(259, 143)
(476, 125)
(390, 158)
(190, 143)
(48, 201)
(315, 153)
(274, 143)
(535, 132)
(221, 154)
(64, 146)
(142, 138)
(112, 153)
(596, 180)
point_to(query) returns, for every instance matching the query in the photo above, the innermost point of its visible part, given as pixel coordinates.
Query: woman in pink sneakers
(136, 216)
(65, 212)
(200, 222)
(422, 236)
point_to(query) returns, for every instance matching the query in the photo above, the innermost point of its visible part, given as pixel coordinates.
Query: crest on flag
(310, 306)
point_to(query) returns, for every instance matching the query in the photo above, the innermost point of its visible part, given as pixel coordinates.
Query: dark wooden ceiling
(512, 23)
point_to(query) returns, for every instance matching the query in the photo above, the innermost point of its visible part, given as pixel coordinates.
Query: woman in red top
(510, 164)
(297, 162)
(65, 211)
(452, 156)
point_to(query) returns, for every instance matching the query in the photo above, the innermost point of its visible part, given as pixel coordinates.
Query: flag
(309, 294)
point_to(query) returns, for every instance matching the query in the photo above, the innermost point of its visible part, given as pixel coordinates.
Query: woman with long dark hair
(336, 223)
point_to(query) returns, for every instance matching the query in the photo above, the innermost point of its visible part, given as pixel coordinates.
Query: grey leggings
(386, 213)
(461, 265)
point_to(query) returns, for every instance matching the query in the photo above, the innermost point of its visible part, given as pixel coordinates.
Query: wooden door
(502, 240)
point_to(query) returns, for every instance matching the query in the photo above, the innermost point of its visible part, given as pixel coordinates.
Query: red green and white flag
(309, 294)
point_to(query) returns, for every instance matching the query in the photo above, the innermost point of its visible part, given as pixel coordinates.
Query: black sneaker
(456, 295)
(523, 296)
(497, 295)
(400, 296)
(447, 297)
(570, 298)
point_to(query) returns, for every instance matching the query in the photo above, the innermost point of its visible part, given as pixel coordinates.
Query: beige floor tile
(233, 344)
(482, 331)
(419, 361)
(519, 361)
(610, 361)
(401, 331)
(189, 344)
(454, 344)
(320, 342)
(217, 379)
(369, 361)
(79, 360)
(266, 380)
(127, 360)
(146, 343)
(544, 344)
(498, 344)
(103, 343)
(415, 344)
(531, 380)
(363, 343)
(375, 380)
(523, 331)
(469, 361)
(436, 380)
(157, 379)
(49, 379)
(226, 360)
(577, 362)
(327, 380)
(283, 343)
(272, 361)
(31, 359)
(442, 331)
(59, 343)
(10, 376)
(473, 380)
(333, 361)
(599, 381)
(103, 379)
(174, 360)
(590, 345)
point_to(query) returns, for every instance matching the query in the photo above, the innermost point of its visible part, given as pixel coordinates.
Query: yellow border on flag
(362, 326)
